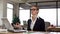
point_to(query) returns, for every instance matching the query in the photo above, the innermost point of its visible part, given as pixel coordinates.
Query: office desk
(9, 33)
(31, 33)
(56, 29)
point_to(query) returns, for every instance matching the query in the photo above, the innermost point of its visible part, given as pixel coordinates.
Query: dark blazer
(39, 25)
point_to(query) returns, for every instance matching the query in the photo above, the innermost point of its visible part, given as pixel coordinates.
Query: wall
(1, 11)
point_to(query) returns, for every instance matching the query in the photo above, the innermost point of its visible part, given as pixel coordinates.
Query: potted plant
(16, 22)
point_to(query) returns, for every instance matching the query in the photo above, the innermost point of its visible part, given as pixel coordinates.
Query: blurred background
(49, 10)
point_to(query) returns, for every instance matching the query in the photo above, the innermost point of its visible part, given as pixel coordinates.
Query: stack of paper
(3, 30)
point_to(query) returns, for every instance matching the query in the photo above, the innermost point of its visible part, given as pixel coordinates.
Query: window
(48, 15)
(58, 16)
(24, 15)
(9, 12)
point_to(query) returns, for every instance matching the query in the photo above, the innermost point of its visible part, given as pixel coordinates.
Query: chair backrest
(47, 24)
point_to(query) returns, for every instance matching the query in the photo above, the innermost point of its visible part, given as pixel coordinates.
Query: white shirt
(33, 23)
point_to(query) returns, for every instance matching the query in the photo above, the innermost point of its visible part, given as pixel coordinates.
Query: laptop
(10, 28)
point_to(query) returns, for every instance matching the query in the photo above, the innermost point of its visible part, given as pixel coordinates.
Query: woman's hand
(17, 25)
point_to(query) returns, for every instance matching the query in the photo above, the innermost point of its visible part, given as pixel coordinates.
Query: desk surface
(31, 33)
(56, 29)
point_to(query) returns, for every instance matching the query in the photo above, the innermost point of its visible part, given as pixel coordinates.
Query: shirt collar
(36, 17)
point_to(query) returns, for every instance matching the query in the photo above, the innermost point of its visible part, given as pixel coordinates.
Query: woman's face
(34, 10)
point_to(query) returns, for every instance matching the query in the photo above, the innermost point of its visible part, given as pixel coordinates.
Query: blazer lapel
(35, 23)
(30, 23)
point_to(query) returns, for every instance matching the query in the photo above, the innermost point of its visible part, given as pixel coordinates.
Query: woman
(16, 25)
